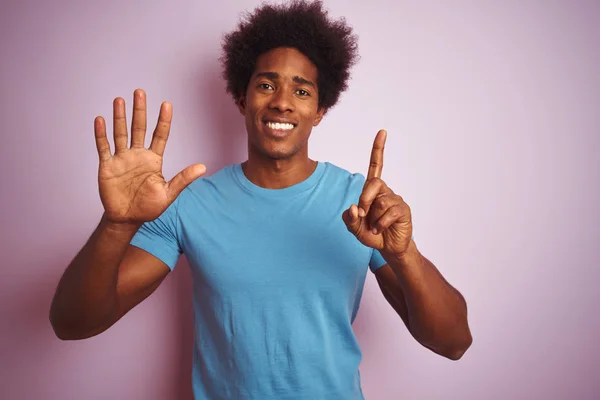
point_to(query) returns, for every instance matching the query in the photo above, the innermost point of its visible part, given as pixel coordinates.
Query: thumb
(183, 179)
(351, 219)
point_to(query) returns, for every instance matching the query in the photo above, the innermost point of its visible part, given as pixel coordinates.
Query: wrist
(120, 227)
(403, 258)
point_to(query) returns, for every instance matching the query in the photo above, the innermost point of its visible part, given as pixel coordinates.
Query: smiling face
(281, 105)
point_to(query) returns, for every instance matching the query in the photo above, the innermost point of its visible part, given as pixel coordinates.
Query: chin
(279, 155)
(274, 150)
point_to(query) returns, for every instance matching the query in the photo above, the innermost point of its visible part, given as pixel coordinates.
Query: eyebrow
(275, 76)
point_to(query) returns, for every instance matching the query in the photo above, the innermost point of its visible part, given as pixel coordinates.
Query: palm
(132, 186)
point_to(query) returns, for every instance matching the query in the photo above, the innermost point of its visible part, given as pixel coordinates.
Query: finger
(119, 125)
(163, 127)
(372, 189)
(102, 144)
(390, 216)
(376, 163)
(138, 122)
(183, 179)
(351, 219)
(380, 206)
(350, 216)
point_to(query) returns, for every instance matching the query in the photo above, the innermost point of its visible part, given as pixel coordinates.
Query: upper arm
(140, 273)
(392, 291)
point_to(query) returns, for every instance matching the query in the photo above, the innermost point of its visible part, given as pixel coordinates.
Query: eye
(265, 86)
(302, 92)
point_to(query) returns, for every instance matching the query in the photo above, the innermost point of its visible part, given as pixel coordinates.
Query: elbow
(65, 333)
(459, 349)
(61, 330)
(64, 330)
(70, 325)
(57, 322)
(450, 348)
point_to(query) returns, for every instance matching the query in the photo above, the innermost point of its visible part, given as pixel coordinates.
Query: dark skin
(434, 312)
(109, 277)
(283, 87)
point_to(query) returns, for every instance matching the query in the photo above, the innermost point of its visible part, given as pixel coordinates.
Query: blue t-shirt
(277, 282)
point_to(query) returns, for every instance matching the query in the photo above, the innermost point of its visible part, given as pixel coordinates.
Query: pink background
(493, 113)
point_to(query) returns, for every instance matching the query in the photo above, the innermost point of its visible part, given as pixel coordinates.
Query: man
(278, 245)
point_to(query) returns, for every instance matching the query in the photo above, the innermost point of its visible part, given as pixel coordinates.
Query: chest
(279, 247)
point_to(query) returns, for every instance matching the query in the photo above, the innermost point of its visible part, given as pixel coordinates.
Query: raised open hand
(132, 186)
(381, 220)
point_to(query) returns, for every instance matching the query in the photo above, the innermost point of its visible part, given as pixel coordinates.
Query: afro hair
(329, 44)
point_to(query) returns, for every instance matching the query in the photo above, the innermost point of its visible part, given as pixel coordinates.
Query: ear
(319, 116)
(241, 103)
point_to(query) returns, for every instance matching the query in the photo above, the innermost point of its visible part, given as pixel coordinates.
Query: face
(281, 104)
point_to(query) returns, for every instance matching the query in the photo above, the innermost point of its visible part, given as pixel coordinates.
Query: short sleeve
(377, 261)
(160, 237)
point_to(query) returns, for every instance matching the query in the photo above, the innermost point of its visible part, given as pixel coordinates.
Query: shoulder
(204, 183)
(340, 177)
(208, 188)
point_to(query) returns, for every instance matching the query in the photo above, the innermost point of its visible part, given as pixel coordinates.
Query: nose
(282, 101)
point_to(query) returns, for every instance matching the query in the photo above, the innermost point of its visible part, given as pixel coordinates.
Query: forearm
(437, 313)
(86, 295)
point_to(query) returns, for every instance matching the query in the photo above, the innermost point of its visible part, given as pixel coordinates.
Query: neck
(278, 174)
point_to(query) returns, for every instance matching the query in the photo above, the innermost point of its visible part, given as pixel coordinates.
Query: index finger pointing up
(376, 163)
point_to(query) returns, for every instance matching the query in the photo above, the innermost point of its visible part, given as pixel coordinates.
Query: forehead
(288, 63)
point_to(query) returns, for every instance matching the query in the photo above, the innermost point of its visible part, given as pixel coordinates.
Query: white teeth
(280, 126)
